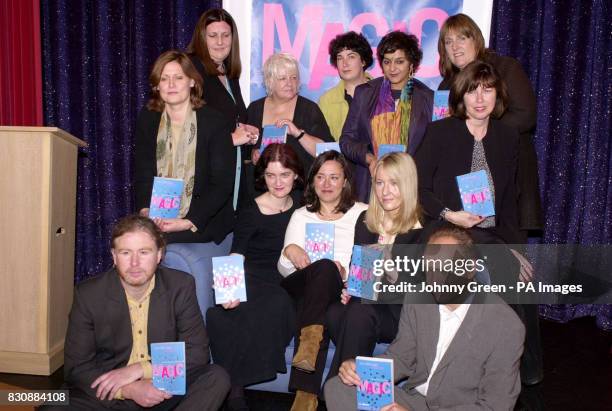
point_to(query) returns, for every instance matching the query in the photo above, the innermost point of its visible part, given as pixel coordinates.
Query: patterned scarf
(390, 125)
(176, 153)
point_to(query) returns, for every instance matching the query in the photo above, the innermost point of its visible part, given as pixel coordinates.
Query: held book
(272, 135)
(166, 197)
(228, 279)
(361, 276)
(376, 388)
(390, 148)
(323, 147)
(440, 105)
(475, 193)
(319, 241)
(169, 369)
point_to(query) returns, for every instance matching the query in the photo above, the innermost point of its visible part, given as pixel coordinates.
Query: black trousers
(355, 329)
(314, 289)
(207, 388)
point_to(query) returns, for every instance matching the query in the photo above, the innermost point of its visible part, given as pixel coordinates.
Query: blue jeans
(196, 259)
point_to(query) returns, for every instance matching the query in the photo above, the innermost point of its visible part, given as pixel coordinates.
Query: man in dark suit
(461, 353)
(116, 315)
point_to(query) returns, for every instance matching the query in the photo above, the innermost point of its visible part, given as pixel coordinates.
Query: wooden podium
(37, 219)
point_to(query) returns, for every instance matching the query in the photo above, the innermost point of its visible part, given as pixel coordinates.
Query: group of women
(196, 127)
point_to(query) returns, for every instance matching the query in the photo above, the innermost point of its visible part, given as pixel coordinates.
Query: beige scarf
(176, 153)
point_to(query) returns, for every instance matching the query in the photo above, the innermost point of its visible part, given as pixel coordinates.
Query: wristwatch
(302, 132)
(443, 213)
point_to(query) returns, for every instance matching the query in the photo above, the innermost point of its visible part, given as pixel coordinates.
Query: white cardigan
(344, 235)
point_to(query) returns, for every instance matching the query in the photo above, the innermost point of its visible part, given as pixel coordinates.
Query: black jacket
(446, 152)
(211, 203)
(99, 337)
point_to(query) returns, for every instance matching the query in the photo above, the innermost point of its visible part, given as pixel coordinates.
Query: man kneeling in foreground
(462, 353)
(118, 314)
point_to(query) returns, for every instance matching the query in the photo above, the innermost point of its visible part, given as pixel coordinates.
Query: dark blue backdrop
(97, 57)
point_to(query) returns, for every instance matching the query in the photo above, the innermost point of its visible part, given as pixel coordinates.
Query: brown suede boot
(305, 401)
(310, 339)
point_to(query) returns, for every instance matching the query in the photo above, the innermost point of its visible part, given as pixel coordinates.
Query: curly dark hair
(347, 198)
(351, 41)
(398, 40)
(285, 155)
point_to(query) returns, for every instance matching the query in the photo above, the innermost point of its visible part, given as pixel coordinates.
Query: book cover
(319, 242)
(169, 369)
(475, 193)
(376, 389)
(323, 147)
(273, 135)
(228, 279)
(166, 197)
(361, 276)
(440, 105)
(390, 148)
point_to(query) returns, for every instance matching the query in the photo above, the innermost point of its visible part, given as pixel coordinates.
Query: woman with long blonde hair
(392, 219)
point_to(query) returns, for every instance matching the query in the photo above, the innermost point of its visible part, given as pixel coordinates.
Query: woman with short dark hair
(460, 43)
(314, 285)
(393, 109)
(249, 338)
(472, 139)
(351, 54)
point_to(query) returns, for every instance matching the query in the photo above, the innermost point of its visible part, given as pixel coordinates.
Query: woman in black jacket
(215, 52)
(177, 136)
(460, 43)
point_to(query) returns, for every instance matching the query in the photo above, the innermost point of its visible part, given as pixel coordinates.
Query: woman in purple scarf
(393, 109)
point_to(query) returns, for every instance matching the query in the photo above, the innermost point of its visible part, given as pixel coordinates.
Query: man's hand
(109, 383)
(348, 373)
(143, 393)
(231, 305)
(526, 270)
(345, 297)
(395, 407)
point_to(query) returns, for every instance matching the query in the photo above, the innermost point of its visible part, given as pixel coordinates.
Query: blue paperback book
(169, 370)
(166, 197)
(319, 241)
(390, 148)
(228, 279)
(361, 274)
(323, 147)
(376, 389)
(273, 135)
(440, 105)
(475, 193)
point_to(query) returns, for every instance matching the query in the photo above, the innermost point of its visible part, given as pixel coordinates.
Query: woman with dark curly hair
(248, 339)
(351, 54)
(393, 109)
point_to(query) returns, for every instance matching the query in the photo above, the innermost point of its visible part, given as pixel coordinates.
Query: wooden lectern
(37, 220)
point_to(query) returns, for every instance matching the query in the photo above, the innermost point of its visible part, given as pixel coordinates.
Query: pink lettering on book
(168, 371)
(317, 247)
(379, 388)
(227, 281)
(477, 197)
(361, 273)
(165, 202)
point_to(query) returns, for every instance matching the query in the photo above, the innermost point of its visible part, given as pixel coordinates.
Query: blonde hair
(401, 168)
(274, 64)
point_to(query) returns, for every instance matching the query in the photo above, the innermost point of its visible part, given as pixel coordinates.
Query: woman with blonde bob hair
(284, 107)
(391, 220)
